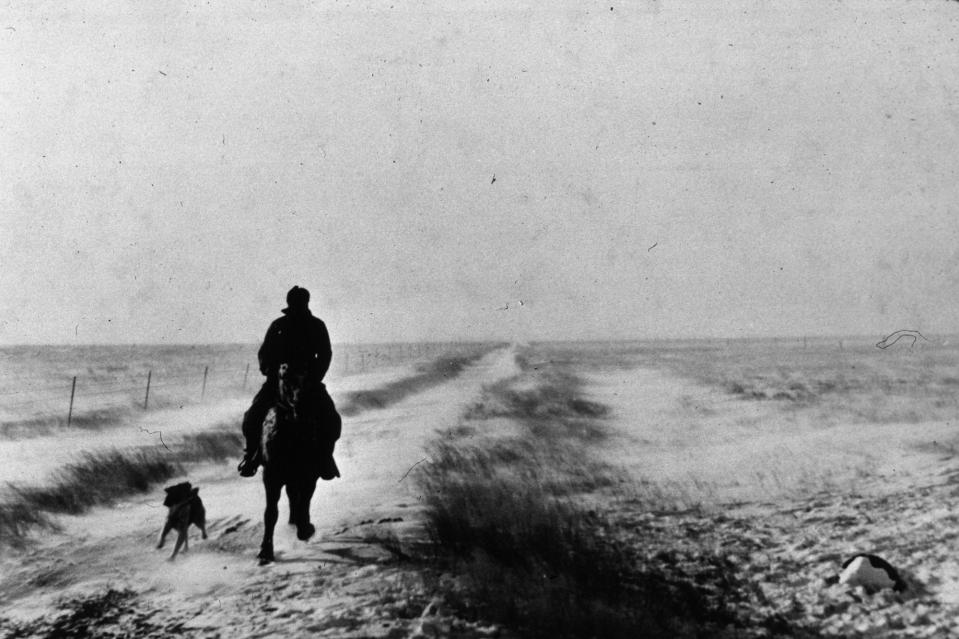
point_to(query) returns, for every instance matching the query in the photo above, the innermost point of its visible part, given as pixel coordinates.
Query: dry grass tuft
(102, 477)
(97, 478)
(428, 375)
(532, 558)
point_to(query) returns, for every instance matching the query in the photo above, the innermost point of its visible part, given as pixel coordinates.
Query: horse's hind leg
(289, 501)
(270, 515)
(304, 494)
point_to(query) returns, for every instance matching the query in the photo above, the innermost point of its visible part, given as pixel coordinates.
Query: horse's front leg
(270, 515)
(289, 501)
(303, 496)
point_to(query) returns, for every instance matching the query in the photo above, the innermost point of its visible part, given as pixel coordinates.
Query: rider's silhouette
(300, 340)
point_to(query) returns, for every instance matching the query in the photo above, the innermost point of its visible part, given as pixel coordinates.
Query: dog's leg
(198, 517)
(166, 529)
(180, 540)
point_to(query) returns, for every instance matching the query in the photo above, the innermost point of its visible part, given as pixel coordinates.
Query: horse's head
(292, 385)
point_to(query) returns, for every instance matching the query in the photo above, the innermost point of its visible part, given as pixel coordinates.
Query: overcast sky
(662, 169)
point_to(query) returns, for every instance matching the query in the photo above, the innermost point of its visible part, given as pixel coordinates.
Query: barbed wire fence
(97, 398)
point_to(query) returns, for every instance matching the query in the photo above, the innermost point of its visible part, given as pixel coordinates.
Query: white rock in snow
(871, 572)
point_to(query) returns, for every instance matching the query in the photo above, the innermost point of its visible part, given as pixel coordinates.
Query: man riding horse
(301, 341)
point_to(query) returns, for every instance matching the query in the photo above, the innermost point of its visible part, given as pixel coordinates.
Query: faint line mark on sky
(411, 469)
(157, 433)
(652, 247)
(892, 338)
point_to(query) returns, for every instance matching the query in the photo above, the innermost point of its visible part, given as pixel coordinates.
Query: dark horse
(299, 434)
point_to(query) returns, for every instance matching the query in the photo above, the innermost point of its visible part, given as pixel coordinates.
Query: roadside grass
(549, 404)
(534, 559)
(428, 374)
(588, 356)
(532, 556)
(17, 519)
(98, 478)
(516, 519)
(94, 419)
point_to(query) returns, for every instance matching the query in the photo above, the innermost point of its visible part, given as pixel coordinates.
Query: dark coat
(300, 340)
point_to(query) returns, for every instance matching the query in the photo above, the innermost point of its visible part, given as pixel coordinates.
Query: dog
(185, 508)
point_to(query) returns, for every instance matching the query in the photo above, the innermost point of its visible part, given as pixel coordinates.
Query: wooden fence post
(73, 390)
(146, 399)
(245, 375)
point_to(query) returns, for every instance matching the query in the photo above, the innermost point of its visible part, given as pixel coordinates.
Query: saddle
(318, 423)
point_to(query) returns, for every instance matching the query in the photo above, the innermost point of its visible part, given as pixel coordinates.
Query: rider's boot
(249, 463)
(328, 469)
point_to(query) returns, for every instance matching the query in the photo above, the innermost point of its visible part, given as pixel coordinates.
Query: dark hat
(297, 298)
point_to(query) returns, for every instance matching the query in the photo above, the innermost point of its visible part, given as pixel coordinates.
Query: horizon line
(785, 337)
